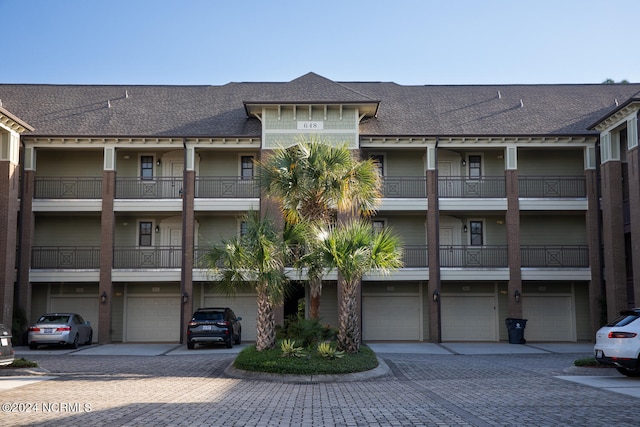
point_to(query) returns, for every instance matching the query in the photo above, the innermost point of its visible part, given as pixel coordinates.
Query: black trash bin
(515, 327)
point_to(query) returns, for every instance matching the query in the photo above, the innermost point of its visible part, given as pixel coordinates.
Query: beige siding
(553, 230)
(69, 163)
(410, 228)
(550, 162)
(57, 230)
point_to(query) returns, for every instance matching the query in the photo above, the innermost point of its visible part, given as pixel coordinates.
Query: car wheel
(629, 372)
(229, 343)
(33, 346)
(74, 344)
(239, 338)
(90, 340)
(190, 345)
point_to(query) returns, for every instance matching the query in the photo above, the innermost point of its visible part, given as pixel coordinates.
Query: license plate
(599, 354)
(5, 342)
(206, 327)
(48, 330)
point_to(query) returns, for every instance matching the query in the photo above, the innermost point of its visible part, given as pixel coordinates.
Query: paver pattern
(420, 390)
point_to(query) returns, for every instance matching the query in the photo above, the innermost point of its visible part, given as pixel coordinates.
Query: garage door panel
(153, 319)
(549, 318)
(87, 307)
(391, 318)
(468, 318)
(244, 306)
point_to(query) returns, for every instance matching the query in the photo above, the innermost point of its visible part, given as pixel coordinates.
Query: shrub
(326, 350)
(307, 331)
(22, 363)
(590, 361)
(289, 349)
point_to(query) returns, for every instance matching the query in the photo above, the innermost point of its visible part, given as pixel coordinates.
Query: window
(246, 167)
(475, 237)
(475, 166)
(379, 161)
(146, 167)
(144, 234)
(243, 228)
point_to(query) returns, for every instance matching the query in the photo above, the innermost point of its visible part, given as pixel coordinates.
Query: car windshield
(625, 318)
(53, 319)
(208, 315)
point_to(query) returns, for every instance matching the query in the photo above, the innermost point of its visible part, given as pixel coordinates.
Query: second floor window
(246, 167)
(378, 225)
(476, 238)
(144, 233)
(146, 167)
(379, 161)
(475, 166)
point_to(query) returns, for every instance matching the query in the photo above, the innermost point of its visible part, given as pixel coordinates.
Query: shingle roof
(218, 111)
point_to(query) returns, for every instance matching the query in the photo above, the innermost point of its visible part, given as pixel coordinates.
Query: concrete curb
(381, 370)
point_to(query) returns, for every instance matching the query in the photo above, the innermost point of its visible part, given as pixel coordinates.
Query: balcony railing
(68, 188)
(554, 256)
(65, 257)
(473, 256)
(408, 187)
(552, 186)
(460, 187)
(147, 257)
(226, 187)
(157, 188)
(415, 256)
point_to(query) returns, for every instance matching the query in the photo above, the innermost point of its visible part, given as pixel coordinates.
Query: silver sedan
(60, 329)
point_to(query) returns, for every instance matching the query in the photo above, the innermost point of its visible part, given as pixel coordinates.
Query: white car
(60, 329)
(618, 343)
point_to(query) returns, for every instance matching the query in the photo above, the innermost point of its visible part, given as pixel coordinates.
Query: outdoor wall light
(516, 295)
(464, 228)
(185, 298)
(157, 228)
(158, 163)
(103, 297)
(436, 296)
(464, 162)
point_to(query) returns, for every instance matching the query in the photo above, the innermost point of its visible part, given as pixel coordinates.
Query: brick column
(596, 287)
(26, 242)
(513, 244)
(433, 250)
(106, 256)
(9, 206)
(633, 162)
(613, 238)
(188, 241)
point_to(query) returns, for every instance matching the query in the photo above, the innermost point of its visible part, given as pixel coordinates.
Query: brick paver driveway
(451, 390)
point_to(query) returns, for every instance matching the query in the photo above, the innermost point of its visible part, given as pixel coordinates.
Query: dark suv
(214, 325)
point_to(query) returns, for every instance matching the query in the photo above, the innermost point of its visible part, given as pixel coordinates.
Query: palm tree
(355, 249)
(313, 179)
(256, 258)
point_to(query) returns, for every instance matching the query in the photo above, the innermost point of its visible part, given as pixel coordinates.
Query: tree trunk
(266, 328)
(315, 286)
(349, 332)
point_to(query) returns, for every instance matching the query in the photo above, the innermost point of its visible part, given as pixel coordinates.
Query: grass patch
(589, 361)
(22, 363)
(313, 363)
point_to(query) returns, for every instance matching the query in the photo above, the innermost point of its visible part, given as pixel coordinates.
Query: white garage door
(244, 306)
(391, 318)
(87, 307)
(468, 318)
(152, 319)
(549, 318)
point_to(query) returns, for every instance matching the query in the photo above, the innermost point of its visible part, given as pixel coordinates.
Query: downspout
(603, 288)
(184, 231)
(16, 288)
(437, 227)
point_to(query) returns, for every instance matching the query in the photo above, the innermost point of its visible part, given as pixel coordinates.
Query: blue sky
(213, 42)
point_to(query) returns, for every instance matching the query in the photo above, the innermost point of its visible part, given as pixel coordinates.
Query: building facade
(513, 201)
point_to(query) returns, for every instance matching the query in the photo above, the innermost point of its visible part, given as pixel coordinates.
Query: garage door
(152, 319)
(468, 318)
(391, 318)
(87, 307)
(549, 318)
(244, 306)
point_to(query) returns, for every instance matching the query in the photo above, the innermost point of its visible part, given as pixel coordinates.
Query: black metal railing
(552, 186)
(147, 257)
(415, 256)
(473, 256)
(157, 188)
(65, 257)
(460, 187)
(408, 187)
(67, 187)
(222, 187)
(554, 256)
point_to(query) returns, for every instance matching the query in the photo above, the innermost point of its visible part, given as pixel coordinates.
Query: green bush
(313, 363)
(590, 361)
(328, 351)
(22, 363)
(306, 331)
(289, 349)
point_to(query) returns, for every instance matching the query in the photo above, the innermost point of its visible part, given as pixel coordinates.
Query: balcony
(221, 187)
(147, 257)
(473, 257)
(404, 187)
(554, 256)
(415, 256)
(157, 188)
(462, 187)
(65, 257)
(68, 188)
(552, 187)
